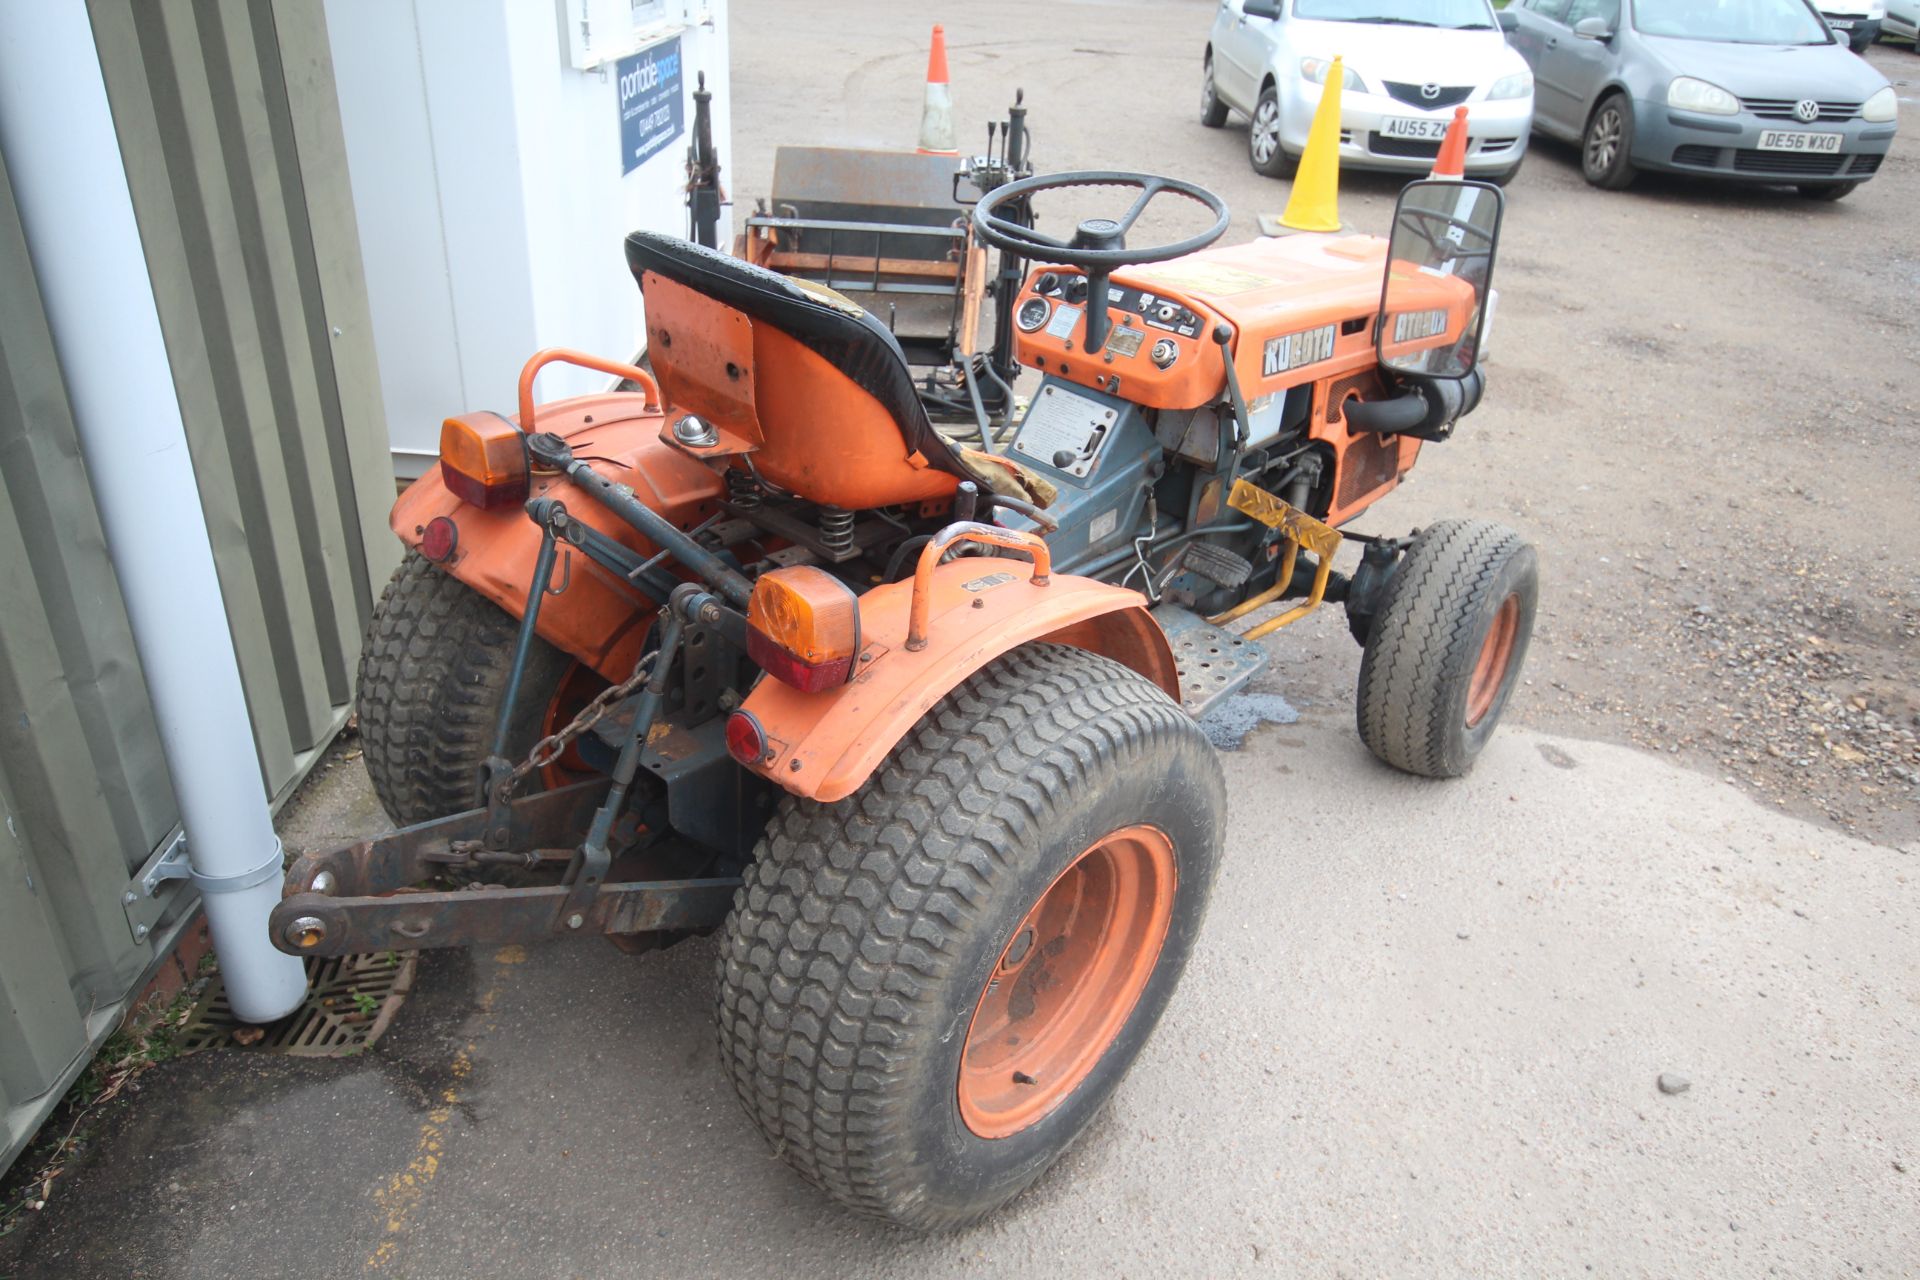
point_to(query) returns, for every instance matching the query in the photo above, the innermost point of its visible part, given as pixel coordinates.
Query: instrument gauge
(1032, 314)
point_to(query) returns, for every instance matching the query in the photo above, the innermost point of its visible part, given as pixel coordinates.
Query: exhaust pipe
(63, 158)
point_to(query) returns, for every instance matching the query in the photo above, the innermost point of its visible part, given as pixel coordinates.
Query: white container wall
(492, 186)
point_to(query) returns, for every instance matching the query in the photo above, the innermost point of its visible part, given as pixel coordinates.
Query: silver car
(1405, 66)
(1742, 90)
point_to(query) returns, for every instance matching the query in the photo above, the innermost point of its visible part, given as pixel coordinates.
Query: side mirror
(1434, 303)
(1261, 8)
(1509, 21)
(1593, 29)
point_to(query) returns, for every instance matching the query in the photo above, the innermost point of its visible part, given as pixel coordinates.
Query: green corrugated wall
(230, 134)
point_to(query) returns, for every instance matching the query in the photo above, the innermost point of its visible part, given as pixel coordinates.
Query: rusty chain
(549, 748)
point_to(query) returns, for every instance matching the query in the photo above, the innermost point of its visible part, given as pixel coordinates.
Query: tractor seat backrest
(840, 332)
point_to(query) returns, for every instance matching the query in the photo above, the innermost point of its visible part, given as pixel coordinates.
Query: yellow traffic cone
(1315, 202)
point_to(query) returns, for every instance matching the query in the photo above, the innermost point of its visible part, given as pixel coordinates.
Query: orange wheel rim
(1067, 981)
(1496, 654)
(570, 697)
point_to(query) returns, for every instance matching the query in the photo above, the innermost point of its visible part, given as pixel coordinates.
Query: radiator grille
(1448, 95)
(1788, 162)
(1381, 145)
(1783, 109)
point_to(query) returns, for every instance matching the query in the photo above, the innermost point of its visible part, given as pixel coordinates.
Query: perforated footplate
(350, 1001)
(1213, 662)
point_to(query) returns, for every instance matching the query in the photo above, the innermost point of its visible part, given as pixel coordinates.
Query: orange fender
(825, 745)
(596, 619)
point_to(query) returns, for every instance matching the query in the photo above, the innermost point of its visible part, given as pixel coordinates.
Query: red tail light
(746, 740)
(803, 628)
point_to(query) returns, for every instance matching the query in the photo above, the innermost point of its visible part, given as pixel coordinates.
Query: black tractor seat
(838, 330)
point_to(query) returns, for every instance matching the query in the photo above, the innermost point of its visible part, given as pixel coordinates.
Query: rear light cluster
(803, 628)
(483, 460)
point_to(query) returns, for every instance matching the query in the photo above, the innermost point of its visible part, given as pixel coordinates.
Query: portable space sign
(652, 108)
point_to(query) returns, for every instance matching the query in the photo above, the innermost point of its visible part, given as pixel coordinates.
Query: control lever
(1242, 425)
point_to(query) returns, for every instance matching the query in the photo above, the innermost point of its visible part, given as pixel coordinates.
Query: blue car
(1742, 90)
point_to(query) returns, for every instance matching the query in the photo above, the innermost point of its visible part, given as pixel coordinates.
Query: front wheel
(1446, 648)
(1828, 191)
(1213, 112)
(1606, 150)
(929, 988)
(1268, 155)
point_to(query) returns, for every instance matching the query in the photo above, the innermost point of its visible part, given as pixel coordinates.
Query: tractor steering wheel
(1099, 244)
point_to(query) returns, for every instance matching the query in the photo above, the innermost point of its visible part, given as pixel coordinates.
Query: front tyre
(1447, 647)
(1828, 192)
(1265, 152)
(1606, 149)
(1213, 112)
(929, 988)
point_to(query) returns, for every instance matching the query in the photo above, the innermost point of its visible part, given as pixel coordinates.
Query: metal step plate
(1213, 662)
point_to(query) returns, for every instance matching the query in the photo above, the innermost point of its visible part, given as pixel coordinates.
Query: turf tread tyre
(854, 927)
(432, 677)
(1421, 651)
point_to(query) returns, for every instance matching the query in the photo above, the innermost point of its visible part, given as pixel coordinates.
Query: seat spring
(743, 490)
(836, 529)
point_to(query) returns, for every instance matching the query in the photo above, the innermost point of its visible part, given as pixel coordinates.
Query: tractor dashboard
(1300, 309)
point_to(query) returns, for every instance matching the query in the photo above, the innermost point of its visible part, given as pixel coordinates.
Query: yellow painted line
(406, 1189)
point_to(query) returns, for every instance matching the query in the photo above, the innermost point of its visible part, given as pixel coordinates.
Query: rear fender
(825, 745)
(596, 618)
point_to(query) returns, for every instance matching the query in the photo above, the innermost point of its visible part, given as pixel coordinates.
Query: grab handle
(951, 536)
(564, 355)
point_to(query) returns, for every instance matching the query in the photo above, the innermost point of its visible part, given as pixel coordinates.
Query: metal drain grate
(350, 1002)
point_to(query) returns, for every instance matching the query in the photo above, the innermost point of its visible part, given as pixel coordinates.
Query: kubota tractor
(756, 650)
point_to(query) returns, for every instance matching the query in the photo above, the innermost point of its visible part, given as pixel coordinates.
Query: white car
(1903, 19)
(1408, 64)
(1855, 21)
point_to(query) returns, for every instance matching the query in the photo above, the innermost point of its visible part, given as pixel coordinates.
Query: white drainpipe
(64, 161)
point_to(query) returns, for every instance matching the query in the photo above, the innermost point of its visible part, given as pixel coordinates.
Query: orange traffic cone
(1451, 163)
(936, 118)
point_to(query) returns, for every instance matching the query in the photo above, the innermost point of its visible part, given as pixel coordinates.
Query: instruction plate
(1063, 422)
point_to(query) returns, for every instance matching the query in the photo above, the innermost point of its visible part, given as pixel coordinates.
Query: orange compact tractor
(757, 650)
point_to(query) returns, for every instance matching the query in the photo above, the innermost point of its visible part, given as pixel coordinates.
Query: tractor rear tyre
(929, 988)
(1447, 646)
(432, 679)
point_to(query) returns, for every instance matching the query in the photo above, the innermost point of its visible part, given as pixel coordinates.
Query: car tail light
(483, 459)
(803, 627)
(746, 740)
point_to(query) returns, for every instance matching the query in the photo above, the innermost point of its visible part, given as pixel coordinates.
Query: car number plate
(1404, 127)
(1840, 24)
(1793, 140)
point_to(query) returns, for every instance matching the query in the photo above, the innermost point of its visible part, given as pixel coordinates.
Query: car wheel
(1265, 151)
(1213, 112)
(1828, 191)
(1606, 150)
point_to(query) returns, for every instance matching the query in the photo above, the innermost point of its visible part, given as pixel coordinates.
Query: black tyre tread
(1622, 175)
(1216, 118)
(849, 909)
(1420, 634)
(432, 676)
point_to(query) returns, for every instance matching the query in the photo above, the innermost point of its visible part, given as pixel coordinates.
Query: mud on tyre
(929, 988)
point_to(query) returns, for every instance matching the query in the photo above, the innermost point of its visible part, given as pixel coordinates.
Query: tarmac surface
(1421, 1036)
(1424, 1027)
